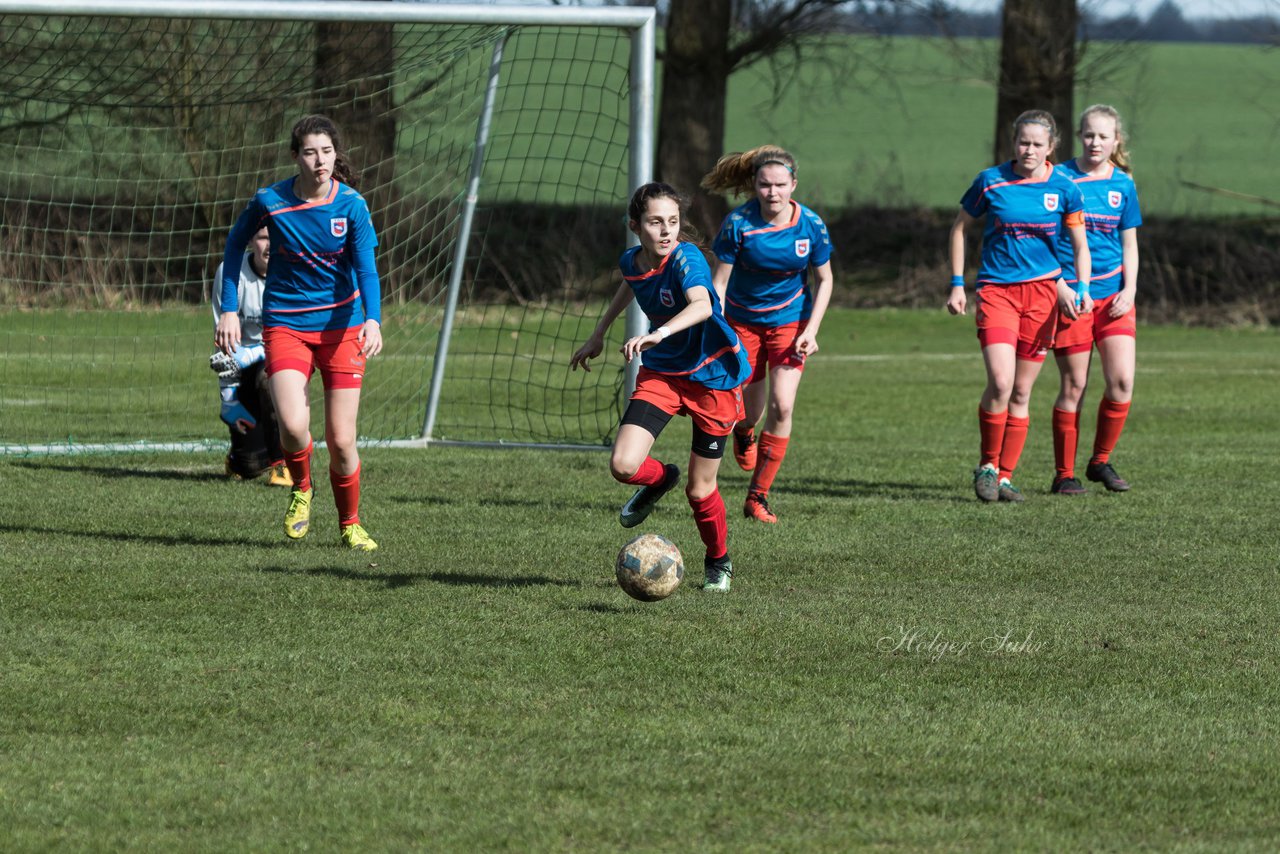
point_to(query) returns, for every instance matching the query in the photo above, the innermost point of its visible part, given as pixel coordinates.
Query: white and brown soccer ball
(649, 568)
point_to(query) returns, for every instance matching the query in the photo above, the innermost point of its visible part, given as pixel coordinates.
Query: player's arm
(1073, 302)
(1128, 293)
(365, 269)
(957, 302)
(227, 333)
(807, 341)
(594, 345)
(697, 311)
(720, 278)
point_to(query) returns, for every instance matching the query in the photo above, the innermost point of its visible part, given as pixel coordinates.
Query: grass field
(897, 666)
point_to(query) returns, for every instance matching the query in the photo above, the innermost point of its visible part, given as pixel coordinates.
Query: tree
(1037, 68)
(707, 40)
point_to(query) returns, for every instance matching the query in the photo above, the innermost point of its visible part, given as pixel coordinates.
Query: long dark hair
(315, 123)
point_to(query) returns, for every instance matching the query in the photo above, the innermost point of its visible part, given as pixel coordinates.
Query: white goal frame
(638, 22)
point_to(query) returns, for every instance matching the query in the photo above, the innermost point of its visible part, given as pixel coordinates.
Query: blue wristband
(957, 281)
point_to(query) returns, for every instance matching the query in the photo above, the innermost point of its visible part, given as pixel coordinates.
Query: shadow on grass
(116, 472)
(393, 580)
(898, 491)
(133, 537)
(489, 501)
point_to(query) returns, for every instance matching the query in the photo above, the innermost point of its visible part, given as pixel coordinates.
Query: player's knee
(623, 468)
(697, 490)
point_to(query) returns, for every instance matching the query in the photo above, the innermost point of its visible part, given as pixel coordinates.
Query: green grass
(178, 676)
(913, 121)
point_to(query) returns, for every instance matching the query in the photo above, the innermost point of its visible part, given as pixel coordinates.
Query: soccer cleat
(986, 482)
(718, 574)
(297, 519)
(279, 476)
(356, 538)
(638, 508)
(1103, 473)
(744, 449)
(756, 507)
(1067, 486)
(1008, 492)
(230, 472)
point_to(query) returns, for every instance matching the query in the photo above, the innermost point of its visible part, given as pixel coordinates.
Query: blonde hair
(1119, 154)
(736, 171)
(1038, 117)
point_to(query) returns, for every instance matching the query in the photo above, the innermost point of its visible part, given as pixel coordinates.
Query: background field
(176, 675)
(913, 122)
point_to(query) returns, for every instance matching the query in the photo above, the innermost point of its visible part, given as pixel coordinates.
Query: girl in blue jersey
(321, 308)
(692, 364)
(1111, 219)
(766, 251)
(1028, 204)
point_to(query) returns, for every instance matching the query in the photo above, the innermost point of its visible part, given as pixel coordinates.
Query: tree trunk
(691, 119)
(355, 67)
(1037, 69)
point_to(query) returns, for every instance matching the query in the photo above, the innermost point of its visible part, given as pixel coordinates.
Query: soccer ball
(649, 568)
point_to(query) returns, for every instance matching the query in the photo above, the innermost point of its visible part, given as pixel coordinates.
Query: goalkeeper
(247, 408)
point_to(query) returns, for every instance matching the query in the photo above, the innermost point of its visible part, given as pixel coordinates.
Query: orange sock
(1015, 436)
(1111, 417)
(1066, 437)
(650, 473)
(991, 429)
(346, 495)
(299, 463)
(768, 458)
(709, 516)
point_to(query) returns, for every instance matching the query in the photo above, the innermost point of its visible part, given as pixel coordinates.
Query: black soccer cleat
(1068, 486)
(638, 508)
(1104, 474)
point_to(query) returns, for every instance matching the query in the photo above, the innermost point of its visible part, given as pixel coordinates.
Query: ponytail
(736, 172)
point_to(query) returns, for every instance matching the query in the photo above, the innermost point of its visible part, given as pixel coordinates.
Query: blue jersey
(1110, 207)
(321, 274)
(1025, 220)
(769, 284)
(708, 353)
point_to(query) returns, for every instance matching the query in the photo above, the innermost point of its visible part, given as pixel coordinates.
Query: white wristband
(662, 331)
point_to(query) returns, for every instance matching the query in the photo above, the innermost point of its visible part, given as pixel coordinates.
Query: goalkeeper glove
(224, 366)
(236, 416)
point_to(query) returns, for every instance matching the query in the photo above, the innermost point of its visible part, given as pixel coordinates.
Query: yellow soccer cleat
(297, 519)
(279, 476)
(356, 538)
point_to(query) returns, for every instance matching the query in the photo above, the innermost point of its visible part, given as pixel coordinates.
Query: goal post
(135, 131)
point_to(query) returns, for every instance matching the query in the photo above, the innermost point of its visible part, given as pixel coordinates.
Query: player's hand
(1121, 305)
(227, 335)
(590, 350)
(806, 343)
(635, 346)
(1067, 300)
(1085, 304)
(957, 302)
(370, 338)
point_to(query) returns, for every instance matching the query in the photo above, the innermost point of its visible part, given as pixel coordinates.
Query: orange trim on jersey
(317, 307)
(1020, 181)
(706, 361)
(782, 304)
(656, 270)
(1105, 177)
(333, 194)
(1074, 218)
(795, 218)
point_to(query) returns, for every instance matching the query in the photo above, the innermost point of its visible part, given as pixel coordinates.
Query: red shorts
(770, 346)
(714, 411)
(1079, 335)
(1022, 314)
(335, 351)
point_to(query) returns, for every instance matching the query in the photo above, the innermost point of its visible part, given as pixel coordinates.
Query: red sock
(650, 473)
(1015, 436)
(1066, 436)
(708, 515)
(991, 429)
(299, 463)
(346, 495)
(768, 458)
(1111, 416)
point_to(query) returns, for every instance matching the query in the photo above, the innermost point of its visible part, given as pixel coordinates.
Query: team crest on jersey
(1114, 198)
(666, 297)
(802, 248)
(338, 226)
(1051, 201)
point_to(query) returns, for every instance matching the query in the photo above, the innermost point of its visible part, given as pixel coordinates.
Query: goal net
(129, 144)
